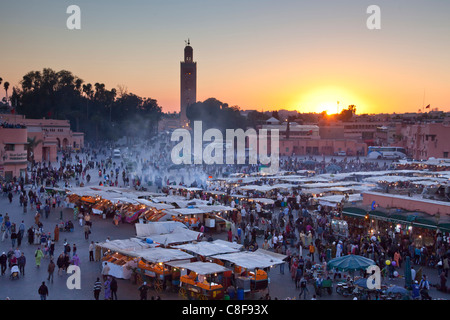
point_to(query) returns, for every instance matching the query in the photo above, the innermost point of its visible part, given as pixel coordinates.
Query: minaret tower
(188, 77)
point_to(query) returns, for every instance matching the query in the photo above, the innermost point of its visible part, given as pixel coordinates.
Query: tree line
(101, 113)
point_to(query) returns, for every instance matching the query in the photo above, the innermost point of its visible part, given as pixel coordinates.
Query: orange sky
(262, 55)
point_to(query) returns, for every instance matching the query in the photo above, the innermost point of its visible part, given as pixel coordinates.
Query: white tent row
(333, 200)
(161, 227)
(265, 188)
(178, 235)
(157, 206)
(393, 179)
(242, 180)
(208, 249)
(263, 201)
(157, 255)
(330, 184)
(199, 267)
(305, 179)
(124, 246)
(258, 259)
(185, 188)
(185, 211)
(215, 208)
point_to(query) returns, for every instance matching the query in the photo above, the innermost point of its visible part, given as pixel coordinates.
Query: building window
(9, 147)
(446, 154)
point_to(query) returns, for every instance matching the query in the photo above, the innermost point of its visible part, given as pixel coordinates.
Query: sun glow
(332, 100)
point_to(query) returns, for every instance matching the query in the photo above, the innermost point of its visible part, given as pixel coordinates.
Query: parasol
(350, 262)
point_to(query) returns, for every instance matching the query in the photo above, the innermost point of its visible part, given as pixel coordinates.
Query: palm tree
(6, 86)
(32, 143)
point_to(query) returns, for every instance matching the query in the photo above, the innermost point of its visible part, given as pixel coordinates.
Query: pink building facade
(326, 147)
(426, 140)
(49, 136)
(406, 203)
(13, 152)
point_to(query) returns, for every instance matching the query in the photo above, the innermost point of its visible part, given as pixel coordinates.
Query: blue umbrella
(361, 283)
(397, 290)
(350, 262)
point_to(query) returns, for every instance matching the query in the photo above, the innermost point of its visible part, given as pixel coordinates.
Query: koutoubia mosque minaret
(188, 76)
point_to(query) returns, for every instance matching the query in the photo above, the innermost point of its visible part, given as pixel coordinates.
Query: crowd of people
(294, 225)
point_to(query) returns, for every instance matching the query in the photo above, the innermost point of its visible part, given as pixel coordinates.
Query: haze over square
(261, 55)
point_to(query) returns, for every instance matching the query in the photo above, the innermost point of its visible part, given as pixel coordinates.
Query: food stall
(152, 267)
(246, 266)
(120, 256)
(201, 280)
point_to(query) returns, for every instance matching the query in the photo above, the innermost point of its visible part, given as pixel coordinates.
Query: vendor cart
(195, 290)
(201, 280)
(157, 275)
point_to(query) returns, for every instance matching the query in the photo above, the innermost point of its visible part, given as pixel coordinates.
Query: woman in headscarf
(107, 285)
(56, 233)
(38, 255)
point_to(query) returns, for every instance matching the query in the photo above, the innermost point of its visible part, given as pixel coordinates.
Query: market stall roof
(264, 201)
(215, 208)
(264, 188)
(123, 199)
(126, 246)
(158, 206)
(185, 211)
(250, 260)
(151, 228)
(333, 200)
(206, 249)
(178, 235)
(199, 267)
(330, 184)
(393, 179)
(185, 188)
(232, 245)
(156, 255)
(169, 199)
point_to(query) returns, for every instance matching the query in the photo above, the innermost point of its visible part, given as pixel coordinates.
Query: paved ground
(25, 288)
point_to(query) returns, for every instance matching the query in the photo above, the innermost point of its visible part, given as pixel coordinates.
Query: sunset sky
(256, 54)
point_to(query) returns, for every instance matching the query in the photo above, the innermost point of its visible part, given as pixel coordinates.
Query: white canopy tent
(151, 228)
(178, 235)
(207, 249)
(199, 267)
(251, 260)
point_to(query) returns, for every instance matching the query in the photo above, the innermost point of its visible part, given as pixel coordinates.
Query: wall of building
(423, 141)
(327, 147)
(13, 153)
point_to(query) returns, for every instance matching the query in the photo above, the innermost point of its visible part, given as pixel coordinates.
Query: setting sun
(330, 99)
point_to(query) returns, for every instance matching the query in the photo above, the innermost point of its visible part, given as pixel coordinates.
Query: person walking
(97, 289)
(107, 286)
(113, 286)
(87, 231)
(75, 260)
(3, 262)
(13, 238)
(303, 288)
(51, 269)
(60, 263)
(91, 251)
(56, 233)
(38, 255)
(21, 262)
(21, 233)
(143, 290)
(43, 291)
(105, 271)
